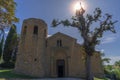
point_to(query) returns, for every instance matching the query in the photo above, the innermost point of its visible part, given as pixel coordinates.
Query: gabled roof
(61, 34)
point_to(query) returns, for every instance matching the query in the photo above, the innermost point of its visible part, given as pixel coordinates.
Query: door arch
(60, 66)
(58, 57)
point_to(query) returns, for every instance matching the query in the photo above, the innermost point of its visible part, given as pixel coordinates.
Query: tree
(105, 60)
(10, 44)
(7, 13)
(15, 50)
(1, 46)
(90, 36)
(117, 63)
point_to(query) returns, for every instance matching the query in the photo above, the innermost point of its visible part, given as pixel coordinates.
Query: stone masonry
(56, 56)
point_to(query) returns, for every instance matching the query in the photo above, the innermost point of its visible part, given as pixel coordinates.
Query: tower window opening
(35, 30)
(24, 30)
(35, 59)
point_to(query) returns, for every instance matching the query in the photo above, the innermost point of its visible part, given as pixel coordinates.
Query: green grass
(8, 73)
(100, 79)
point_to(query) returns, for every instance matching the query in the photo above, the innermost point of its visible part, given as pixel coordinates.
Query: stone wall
(38, 55)
(30, 57)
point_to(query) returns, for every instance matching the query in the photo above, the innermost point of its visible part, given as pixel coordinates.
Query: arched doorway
(60, 66)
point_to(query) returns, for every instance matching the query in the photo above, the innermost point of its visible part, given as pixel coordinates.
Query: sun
(77, 6)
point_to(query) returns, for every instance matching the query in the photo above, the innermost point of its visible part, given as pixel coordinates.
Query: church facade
(56, 56)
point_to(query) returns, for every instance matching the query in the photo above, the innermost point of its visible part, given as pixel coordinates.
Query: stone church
(56, 56)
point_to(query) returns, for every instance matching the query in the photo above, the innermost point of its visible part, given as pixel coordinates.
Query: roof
(61, 34)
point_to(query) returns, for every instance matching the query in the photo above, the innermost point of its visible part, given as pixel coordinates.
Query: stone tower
(31, 50)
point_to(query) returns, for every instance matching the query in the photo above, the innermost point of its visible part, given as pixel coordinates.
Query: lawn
(8, 73)
(100, 79)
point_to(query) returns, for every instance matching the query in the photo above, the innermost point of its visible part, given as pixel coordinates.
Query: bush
(7, 65)
(117, 72)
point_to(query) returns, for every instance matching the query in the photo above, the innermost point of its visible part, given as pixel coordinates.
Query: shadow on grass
(100, 79)
(8, 73)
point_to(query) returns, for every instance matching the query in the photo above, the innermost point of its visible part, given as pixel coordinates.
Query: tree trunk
(89, 75)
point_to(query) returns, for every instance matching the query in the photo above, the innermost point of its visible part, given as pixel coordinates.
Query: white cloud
(102, 50)
(80, 41)
(113, 59)
(48, 35)
(6, 32)
(108, 39)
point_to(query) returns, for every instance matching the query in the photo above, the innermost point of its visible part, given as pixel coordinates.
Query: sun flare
(77, 6)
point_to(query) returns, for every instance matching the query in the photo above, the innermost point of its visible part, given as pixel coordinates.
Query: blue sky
(62, 9)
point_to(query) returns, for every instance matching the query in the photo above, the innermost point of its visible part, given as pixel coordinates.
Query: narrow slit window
(24, 30)
(59, 43)
(35, 30)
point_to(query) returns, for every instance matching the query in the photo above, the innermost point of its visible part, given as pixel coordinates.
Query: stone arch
(59, 55)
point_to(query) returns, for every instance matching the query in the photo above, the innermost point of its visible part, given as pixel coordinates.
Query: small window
(35, 59)
(35, 30)
(24, 30)
(59, 43)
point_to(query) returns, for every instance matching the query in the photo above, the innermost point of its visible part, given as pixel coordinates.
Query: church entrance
(60, 68)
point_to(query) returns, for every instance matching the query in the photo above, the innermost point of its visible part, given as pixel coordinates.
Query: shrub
(7, 65)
